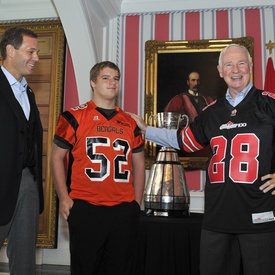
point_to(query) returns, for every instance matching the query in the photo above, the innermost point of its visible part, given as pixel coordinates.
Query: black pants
(237, 254)
(102, 238)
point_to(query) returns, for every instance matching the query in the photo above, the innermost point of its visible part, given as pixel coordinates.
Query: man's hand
(269, 184)
(140, 122)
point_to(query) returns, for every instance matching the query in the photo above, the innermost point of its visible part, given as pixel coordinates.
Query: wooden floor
(41, 270)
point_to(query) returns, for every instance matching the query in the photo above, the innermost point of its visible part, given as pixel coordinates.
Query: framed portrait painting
(168, 65)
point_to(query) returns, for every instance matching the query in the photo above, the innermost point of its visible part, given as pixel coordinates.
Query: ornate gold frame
(153, 49)
(52, 45)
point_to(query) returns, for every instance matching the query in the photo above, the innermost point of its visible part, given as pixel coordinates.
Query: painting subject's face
(235, 69)
(194, 82)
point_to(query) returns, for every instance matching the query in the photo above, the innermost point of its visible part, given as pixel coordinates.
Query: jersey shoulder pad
(269, 94)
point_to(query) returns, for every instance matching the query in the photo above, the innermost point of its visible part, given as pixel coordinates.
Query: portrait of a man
(190, 102)
(187, 83)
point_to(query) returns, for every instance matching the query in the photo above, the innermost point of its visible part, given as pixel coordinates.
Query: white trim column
(79, 37)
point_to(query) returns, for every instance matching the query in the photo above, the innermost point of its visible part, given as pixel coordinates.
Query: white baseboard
(197, 201)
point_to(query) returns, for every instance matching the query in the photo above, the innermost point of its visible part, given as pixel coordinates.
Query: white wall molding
(18, 9)
(164, 6)
(30, 20)
(196, 202)
(80, 37)
(86, 36)
(104, 11)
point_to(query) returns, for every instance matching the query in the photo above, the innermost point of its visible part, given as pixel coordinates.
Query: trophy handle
(184, 116)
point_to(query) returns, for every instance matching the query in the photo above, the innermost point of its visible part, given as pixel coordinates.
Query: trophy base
(167, 213)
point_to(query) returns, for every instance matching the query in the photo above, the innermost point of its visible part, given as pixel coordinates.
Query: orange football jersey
(101, 148)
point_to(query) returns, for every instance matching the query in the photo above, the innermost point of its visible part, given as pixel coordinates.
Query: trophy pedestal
(167, 213)
(166, 193)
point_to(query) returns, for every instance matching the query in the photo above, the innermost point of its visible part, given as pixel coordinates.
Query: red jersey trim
(188, 140)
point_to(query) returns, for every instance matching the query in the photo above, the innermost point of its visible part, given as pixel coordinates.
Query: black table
(168, 245)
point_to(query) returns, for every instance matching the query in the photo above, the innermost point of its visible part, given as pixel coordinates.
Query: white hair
(236, 46)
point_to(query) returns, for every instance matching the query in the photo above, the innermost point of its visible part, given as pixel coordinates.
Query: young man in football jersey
(238, 230)
(106, 175)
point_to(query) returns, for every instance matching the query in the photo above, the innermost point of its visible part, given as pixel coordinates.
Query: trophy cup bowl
(168, 120)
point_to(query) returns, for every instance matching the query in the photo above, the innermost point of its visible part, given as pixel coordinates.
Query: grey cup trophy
(166, 192)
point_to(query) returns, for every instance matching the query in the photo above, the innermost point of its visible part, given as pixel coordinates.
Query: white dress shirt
(20, 91)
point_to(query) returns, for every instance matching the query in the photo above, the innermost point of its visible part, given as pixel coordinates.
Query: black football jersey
(242, 145)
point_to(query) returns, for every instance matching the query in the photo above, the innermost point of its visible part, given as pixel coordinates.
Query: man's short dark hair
(14, 36)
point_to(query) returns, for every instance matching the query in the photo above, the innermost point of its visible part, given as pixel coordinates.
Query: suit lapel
(7, 93)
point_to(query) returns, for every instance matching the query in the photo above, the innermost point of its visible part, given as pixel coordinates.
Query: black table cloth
(168, 245)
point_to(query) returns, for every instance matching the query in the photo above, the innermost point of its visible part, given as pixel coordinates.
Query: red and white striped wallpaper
(136, 29)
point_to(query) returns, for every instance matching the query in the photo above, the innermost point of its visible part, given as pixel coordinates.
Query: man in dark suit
(21, 191)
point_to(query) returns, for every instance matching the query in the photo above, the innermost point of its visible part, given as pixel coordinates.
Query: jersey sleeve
(269, 104)
(193, 138)
(187, 140)
(66, 128)
(139, 141)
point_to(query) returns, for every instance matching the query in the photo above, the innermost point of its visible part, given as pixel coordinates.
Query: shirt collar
(239, 97)
(193, 93)
(12, 80)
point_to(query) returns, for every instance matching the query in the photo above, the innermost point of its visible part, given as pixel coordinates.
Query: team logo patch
(80, 107)
(263, 217)
(123, 123)
(231, 125)
(234, 112)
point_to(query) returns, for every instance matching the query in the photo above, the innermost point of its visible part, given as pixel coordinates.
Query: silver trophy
(166, 192)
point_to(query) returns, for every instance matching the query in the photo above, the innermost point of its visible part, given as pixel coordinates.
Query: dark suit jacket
(12, 121)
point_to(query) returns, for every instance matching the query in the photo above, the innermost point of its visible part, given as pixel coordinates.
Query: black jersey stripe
(71, 119)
